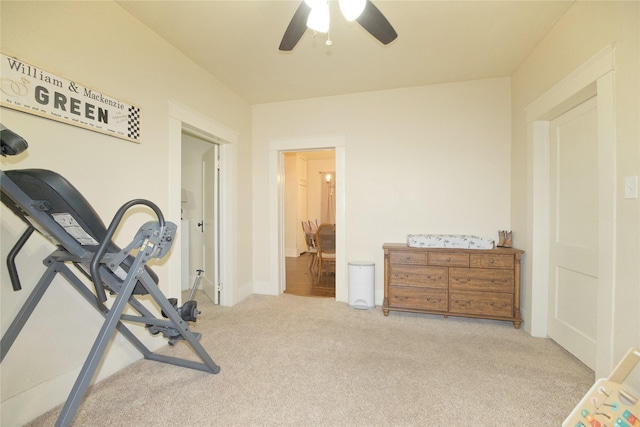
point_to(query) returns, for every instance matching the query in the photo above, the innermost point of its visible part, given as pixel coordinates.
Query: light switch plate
(631, 187)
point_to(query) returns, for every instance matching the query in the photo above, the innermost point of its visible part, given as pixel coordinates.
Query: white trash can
(362, 285)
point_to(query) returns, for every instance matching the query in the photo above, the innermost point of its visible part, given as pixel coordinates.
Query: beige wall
(315, 183)
(99, 45)
(584, 31)
(430, 159)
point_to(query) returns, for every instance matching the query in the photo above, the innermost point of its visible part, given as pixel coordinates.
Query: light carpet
(299, 361)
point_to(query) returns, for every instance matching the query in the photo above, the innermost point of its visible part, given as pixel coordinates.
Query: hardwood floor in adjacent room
(301, 281)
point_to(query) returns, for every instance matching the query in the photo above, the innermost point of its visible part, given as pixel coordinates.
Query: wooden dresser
(482, 283)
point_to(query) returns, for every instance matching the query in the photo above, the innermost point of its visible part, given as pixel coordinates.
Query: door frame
(594, 78)
(277, 148)
(183, 118)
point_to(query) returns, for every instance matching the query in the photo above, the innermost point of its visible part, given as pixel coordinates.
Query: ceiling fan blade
(376, 24)
(296, 28)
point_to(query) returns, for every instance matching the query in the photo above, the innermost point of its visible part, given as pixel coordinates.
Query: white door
(573, 246)
(209, 225)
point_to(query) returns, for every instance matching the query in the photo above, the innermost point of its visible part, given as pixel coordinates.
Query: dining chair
(314, 226)
(326, 241)
(312, 247)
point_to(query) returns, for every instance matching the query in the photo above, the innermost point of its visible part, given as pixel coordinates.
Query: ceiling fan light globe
(351, 9)
(319, 18)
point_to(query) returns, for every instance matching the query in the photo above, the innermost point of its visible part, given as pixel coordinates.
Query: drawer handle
(436, 300)
(491, 261)
(408, 257)
(503, 305)
(448, 259)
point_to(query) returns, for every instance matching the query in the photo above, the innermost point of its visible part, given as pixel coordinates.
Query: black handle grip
(11, 258)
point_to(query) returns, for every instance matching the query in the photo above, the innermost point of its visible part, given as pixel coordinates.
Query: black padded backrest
(61, 198)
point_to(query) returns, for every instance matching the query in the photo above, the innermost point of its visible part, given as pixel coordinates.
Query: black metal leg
(95, 355)
(25, 312)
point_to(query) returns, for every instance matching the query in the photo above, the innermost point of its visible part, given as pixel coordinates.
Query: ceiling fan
(309, 11)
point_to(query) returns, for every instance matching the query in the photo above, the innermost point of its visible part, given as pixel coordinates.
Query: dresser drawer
(491, 261)
(418, 298)
(481, 279)
(481, 303)
(414, 275)
(407, 257)
(455, 259)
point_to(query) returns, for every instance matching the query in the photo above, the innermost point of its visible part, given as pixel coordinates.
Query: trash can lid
(362, 263)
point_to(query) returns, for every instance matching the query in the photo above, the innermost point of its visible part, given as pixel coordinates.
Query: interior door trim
(594, 78)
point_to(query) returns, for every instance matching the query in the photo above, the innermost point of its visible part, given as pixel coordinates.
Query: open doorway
(200, 216)
(277, 148)
(183, 119)
(309, 198)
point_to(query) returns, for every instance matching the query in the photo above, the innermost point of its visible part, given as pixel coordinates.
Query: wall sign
(32, 90)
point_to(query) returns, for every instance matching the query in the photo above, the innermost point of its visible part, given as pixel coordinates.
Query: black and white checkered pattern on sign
(133, 124)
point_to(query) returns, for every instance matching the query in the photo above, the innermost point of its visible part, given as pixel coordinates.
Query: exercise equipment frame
(108, 270)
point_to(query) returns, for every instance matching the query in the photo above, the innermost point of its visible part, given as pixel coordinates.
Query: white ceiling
(438, 42)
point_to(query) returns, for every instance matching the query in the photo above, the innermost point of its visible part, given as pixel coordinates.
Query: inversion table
(49, 204)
